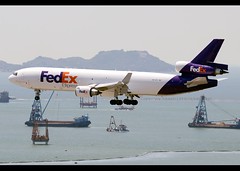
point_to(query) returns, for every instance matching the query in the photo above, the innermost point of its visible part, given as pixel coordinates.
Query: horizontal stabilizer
(196, 81)
(217, 65)
(221, 79)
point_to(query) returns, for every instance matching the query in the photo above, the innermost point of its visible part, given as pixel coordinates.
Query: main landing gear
(125, 101)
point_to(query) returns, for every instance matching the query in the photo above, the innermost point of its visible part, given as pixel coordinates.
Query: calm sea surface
(158, 129)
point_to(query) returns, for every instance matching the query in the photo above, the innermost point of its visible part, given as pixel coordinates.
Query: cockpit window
(15, 73)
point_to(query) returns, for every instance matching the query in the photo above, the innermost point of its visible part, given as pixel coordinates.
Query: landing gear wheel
(127, 101)
(134, 102)
(119, 102)
(37, 97)
(113, 102)
(116, 102)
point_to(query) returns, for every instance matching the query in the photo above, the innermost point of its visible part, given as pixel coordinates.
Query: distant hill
(6, 67)
(115, 59)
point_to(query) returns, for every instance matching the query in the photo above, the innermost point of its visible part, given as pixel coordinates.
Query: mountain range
(109, 60)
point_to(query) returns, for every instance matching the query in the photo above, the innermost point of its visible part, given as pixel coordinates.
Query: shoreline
(154, 158)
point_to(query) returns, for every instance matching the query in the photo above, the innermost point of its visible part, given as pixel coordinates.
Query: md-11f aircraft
(193, 76)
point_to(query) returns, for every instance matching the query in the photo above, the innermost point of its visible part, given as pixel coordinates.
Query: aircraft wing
(107, 86)
(114, 85)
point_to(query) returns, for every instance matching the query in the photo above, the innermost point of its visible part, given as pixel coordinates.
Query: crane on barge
(200, 119)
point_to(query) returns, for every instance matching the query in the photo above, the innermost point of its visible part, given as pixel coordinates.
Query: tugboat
(113, 127)
(200, 119)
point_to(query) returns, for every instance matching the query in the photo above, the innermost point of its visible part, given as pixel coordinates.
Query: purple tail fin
(209, 53)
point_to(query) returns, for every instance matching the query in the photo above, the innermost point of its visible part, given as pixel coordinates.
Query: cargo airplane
(192, 76)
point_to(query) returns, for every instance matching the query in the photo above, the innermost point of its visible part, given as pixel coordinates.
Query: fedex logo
(83, 91)
(63, 77)
(198, 69)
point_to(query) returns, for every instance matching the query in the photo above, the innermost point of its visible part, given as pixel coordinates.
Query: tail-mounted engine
(86, 91)
(211, 69)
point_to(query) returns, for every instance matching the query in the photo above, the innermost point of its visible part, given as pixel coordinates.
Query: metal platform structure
(36, 136)
(89, 103)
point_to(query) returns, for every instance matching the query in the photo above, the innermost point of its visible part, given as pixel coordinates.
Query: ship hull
(227, 126)
(60, 123)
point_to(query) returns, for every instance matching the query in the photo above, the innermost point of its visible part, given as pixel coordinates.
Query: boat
(113, 127)
(200, 119)
(124, 108)
(217, 124)
(82, 121)
(4, 97)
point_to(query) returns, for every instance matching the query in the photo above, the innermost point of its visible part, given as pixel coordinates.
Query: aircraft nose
(12, 78)
(17, 78)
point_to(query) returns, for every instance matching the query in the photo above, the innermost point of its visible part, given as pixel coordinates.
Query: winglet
(127, 78)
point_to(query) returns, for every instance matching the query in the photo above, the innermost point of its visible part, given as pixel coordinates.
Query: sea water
(158, 129)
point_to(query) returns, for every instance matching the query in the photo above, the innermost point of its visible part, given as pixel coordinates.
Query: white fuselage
(67, 79)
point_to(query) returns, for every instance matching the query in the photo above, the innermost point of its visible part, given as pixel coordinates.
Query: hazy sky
(171, 33)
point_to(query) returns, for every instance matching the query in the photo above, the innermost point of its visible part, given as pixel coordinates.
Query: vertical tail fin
(209, 53)
(203, 64)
